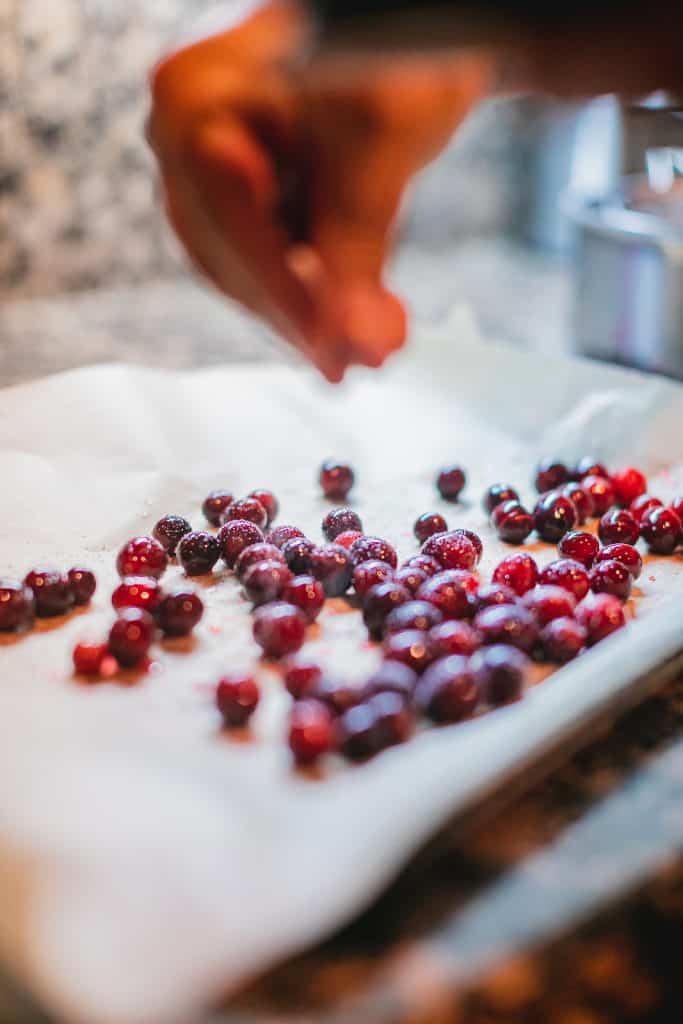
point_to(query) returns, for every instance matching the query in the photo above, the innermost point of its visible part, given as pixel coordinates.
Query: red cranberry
(246, 508)
(644, 503)
(142, 556)
(83, 585)
(395, 721)
(279, 629)
(611, 577)
(338, 697)
(618, 527)
(131, 636)
(447, 593)
(347, 538)
(426, 563)
(379, 601)
(269, 502)
(168, 532)
(265, 582)
(369, 574)
(453, 550)
(307, 594)
(601, 493)
(676, 505)
(336, 479)
(589, 466)
(410, 578)
(419, 615)
(234, 537)
(428, 524)
(624, 553)
(331, 564)
(358, 734)
(547, 602)
(628, 484)
(497, 494)
(340, 520)
(513, 523)
(366, 548)
(495, 593)
(261, 552)
(507, 624)
(562, 640)
(198, 552)
(550, 474)
(237, 698)
(568, 574)
(579, 547)
(600, 615)
(450, 482)
(51, 591)
(215, 504)
(302, 678)
(554, 516)
(474, 539)
(297, 552)
(179, 612)
(466, 579)
(411, 647)
(391, 677)
(17, 606)
(279, 535)
(661, 530)
(137, 592)
(311, 731)
(519, 572)
(88, 658)
(583, 503)
(500, 672)
(454, 637)
(447, 692)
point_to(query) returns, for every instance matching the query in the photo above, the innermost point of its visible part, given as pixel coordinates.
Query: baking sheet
(150, 864)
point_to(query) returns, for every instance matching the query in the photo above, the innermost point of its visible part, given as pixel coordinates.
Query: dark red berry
(466, 579)
(513, 522)
(453, 550)
(369, 574)
(419, 615)
(618, 527)
(426, 563)
(428, 524)
(500, 671)
(395, 721)
(246, 508)
(338, 696)
(142, 556)
(279, 629)
(412, 647)
(554, 516)
(546, 602)
(339, 520)
(17, 606)
(88, 658)
(624, 553)
(391, 677)
(358, 734)
(562, 640)
(331, 565)
(448, 593)
(234, 537)
(131, 636)
(676, 505)
(265, 582)
(297, 553)
(215, 504)
(507, 624)
(565, 572)
(168, 531)
(261, 552)
(601, 493)
(611, 577)
(410, 578)
(302, 677)
(336, 479)
(51, 592)
(519, 572)
(588, 465)
(198, 552)
(550, 474)
(179, 612)
(661, 530)
(645, 502)
(447, 692)
(450, 482)
(347, 538)
(581, 499)
(495, 593)
(579, 547)
(279, 535)
(83, 585)
(379, 602)
(237, 698)
(454, 637)
(137, 592)
(269, 502)
(497, 494)
(307, 594)
(311, 731)
(628, 484)
(366, 548)
(600, 615)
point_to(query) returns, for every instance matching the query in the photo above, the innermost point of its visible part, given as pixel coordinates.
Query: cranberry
(447, 593)
(311, 731)
(179, 612)
(307, 594)
(142, 556)
(131, 636)
(579, 547)
(419, 615)
(600, 615)
(676, 505)
(246, 508)
(17, 606)
(447, 692)
(550, 474)
(369, 574)
(519, 572)
(661, 530)
(513, 522)
(234, 537)
(214, 505)
(454, 637)
(261, 552)
(269, 502)
(628, 484)
(137, 592)
(198, 552)
(265, 582)
(391, 677)
(644, 503)
(554, 516)
(412, 647)
(583, 503)
(426, 563)
(366, 548)
(450, 482)
(507, 624)
(302, 678)
(611, 577)
(588, 465)
(168, 531)
(237, 698)
(601, 492)
(618, 527)
(624, 553)
(339, 520)
(83, 585)
(51, 591)
(347, 538)
(279, 629)
(358, 734)
(279, 535)
(394, 718)
(331, 564)
(500, 671)
(297, 552)
(495, 593)
(336, 479)
(474, 539)
(496, 494)
(338, 697)
(379, 601)
(466, 579)
(568, 574)
(429, 523)
(88, 658)
(410, 578)
(562, 639)
(453, 550)
(547, 602)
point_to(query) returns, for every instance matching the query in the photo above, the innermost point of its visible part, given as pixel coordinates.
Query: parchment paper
(149, 864)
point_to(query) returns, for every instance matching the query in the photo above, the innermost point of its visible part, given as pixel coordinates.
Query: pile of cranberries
(43, 593)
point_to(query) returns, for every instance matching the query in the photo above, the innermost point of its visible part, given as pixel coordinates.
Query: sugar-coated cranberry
(88, 658)
(131, 636)
(311, 731)
(611, 577)
(447, 692)
(448, 593)
(412, 647)
(306, 593)
(583, 503)
(137, 592)
(624, 553)
(618, 527)
(215, 504)
(628, 484)
(337, 695)
(179, 612)
(265, 582)
(579, 547)
(366, 548)
(168, 531)
(347, 538)
(550, 474)
(495, 593)
(500, 671)
(547, 602)
(198, 552)
(358, 734)
(279, 535)
(279, 629)
(554, 515)
(142, 556)
(450, 482)
(297, 552)
(661, 530)
(17, 606)
(302, 677)
(379, 602)
(261, 552)
(336, 479)
(269, 502)
(369, 574)
(426, 563)
(83, 584)
(473, 538)
(410, 578)
(588, 465)
(419, 615)
(497, 494)
(339, 520)
(395, 721)
(237, 698)
(601, 492)
(519, 572)
(391, 677)
(453, 550)
(234, 537)
(507, 624)
(644, 503)
(513, 522)
(429, 523)
(454, 637)
(600, 615)
(246, 508)
(331, 564)
(562, 640)
(51, 591)
(468, 580)
(565, 572)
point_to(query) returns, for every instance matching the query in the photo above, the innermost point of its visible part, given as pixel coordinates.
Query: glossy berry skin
(366, 548)
(473, 538)
(547, 602)
(618, 527)
(269, 502)
(336, 479)
(512, 522)
(554, 515)
(88, 658)
(394, 719)
(234, 537)
(137, 592)
(660, 528)
(611, 577)
(468, 580)
(265, 582)
(601, 492)
(447, 692)
(450, 482)
(311, 731)
(179, 612)
(301, 678)
(215, 504)
(51, 592)
(581, 499)
(339, 520)
(279, 629)
(391, 677)
(358, 735)
(579, 547)
(628, 485)
(338, 696)
(17, 606)
(565, 572)
(452, 550)
(562, 640)
(600, 615)
(420, 615)
(589, 466)
(507, 624)
(369, 574)
(495, 593)
(447, 593)
(83, 585)
(306, 593)
(519, 572)
(500, 671)
(142, 556)
(297, 554)
(331, 565)
(644, 503)
(550, 474)
(198, 552)
(130, 638)
(410, 578)
(676, 505)
(425, 563)
(454, 637)
(429, 523)
(347, 538)
(624, 553)
(169, 530)
(412, 647)
(379, 602)
(245, 508)
(237, 698)
(497, 494)
(262, 552)
(279, 535)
